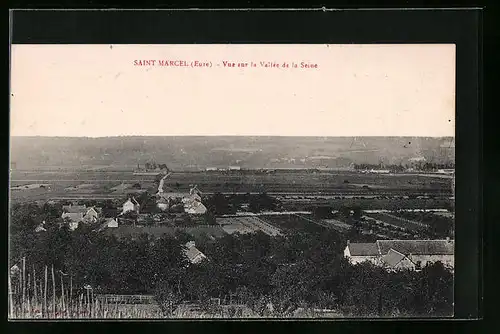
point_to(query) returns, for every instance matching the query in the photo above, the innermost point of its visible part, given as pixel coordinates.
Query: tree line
(425, 166)
(301, 269)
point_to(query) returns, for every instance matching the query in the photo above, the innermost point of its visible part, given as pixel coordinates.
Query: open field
(306, 181)
(248, 224)
(368, 203)
(79, 175)
(424, 217)
(76, 184)
(30, 186)
(395, 221)
(296, 190)
(293, 222)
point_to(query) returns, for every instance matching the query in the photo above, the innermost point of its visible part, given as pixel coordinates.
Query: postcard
(232, 181)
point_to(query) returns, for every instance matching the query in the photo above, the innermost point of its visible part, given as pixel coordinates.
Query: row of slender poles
(29, 298)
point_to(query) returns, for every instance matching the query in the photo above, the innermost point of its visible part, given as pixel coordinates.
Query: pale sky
(358, 90)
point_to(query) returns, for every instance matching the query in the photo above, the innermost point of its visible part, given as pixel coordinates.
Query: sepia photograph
(231, 181)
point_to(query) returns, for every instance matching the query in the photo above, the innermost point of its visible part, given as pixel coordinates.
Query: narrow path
(160, 186)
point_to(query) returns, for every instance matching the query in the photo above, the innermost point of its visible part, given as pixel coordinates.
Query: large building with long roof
(402, 254)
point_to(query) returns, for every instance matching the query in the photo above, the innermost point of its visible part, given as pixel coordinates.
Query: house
(234, 168)
(108, 223)
(192, 202)
(111, 222)
(402, 254)
(73, 218)
(130, 205)
(80, 213)
(41, 227)
(92, 214)
(362, 252)
(195, 208)
(162, 204)
(193, 254)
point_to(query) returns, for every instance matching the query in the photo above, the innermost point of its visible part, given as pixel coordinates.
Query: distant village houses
(76, 214)
(192, 203)
(402, 254)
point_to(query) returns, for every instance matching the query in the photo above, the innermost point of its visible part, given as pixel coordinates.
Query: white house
(108, 223)
(130, 205)
(92, 214)
(111, 222)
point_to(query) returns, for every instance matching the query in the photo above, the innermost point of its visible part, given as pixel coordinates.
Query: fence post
(70, 294)
(23, 306)
(53, 293)
(62, 293)
(11, 305)
(34, 286)
(45, 294)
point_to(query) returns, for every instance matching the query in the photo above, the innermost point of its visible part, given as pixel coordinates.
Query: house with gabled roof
(402, 254)
(108, 223)
(362, 252)
(193, 254)
(192, 203)
(131, 205)
(92, 214)
(76, 214)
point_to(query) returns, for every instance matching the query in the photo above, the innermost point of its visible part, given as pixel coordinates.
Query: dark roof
(363, 249)
(73, 216)
(193, 253)
(75, 208)
(392, 258)
(417, 247)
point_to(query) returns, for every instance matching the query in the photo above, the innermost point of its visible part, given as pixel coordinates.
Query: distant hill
(193, 152)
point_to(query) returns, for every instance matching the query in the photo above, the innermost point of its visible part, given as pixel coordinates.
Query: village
(411, 237)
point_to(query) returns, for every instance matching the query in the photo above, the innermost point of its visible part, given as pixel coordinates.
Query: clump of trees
(300, 269)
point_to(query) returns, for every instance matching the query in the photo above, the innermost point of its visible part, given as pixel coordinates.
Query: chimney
(348, 242)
